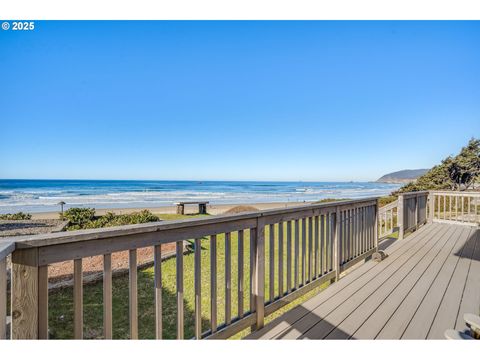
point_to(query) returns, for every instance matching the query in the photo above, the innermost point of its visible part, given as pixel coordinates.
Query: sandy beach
(189, 209)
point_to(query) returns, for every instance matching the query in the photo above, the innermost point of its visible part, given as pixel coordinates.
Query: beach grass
(61, 301)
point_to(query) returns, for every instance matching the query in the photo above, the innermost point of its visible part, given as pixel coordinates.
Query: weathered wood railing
(412, 211)
(455, 206)
(387, 219)
(6, 248)
(281, 255)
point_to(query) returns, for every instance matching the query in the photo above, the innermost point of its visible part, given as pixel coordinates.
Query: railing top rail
(6, 248)
(457, 193)
(415, 193)
(126, 230)
(389, 206)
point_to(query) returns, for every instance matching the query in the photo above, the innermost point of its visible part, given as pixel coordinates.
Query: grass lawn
(61, 302)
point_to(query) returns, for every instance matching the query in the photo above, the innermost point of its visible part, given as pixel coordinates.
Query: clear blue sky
(236, 100)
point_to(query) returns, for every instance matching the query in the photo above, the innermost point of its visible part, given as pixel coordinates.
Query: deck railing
(412, 211)
(387, 219)
(455, 207)
(280, 255)
(6, 248)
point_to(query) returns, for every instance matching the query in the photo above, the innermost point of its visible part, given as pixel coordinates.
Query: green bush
(385, 200)
(111, 219)
(16, 216)
(79, 216)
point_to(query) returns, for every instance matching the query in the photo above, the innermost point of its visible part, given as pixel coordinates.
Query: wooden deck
(424, 286)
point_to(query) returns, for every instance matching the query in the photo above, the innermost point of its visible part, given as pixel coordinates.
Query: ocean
(43, 195)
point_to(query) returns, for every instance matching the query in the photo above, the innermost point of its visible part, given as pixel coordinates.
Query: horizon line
(216, 180)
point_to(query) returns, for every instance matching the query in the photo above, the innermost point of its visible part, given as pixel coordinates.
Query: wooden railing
(455, 207)
(6, 248)
(280, 255)
(387, 219)
(412, 211)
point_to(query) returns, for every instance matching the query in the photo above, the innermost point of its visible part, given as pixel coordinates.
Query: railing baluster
(198, 288)
(340, 219)
(336, 243)
(180, 322)
(260, 274)
(304, 250)
(107, 296)
(133, 296)
(42, 302)
(228, 279)
(323, 259)
(280, 259)
(213, 283)
(296, 254)
(253, 244)
(317, 248)
(310, 249)
(271, 263)
(78, 299)
(354, 234)
(240, 273)
(3, 298)
(157, 264)
(450, 206)
(350, 233)
(329, 243)
(289, 256)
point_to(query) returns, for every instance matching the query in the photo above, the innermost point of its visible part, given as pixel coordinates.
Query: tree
(459, 172)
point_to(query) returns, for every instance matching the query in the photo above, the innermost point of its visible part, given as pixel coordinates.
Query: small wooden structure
(202, 206)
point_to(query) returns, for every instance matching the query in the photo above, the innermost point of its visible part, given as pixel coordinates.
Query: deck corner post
(400, 216)
(25, 300)
(259, 274)
(336, 243)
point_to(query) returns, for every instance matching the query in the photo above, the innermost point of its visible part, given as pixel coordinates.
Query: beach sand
(214, 209)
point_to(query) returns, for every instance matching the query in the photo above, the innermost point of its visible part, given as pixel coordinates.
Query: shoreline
(214, 209)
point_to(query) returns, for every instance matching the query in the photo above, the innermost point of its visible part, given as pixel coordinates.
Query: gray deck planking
(391, 319)
(278, 325)
(322, 306)
(471, 294)
(385, 298)
(426, 283)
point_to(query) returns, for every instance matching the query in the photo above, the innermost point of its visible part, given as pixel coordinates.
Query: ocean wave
(115, 196)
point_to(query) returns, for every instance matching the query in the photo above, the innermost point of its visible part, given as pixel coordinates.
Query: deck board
(423, 287)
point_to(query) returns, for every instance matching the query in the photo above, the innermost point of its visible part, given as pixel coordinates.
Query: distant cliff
(402, 177)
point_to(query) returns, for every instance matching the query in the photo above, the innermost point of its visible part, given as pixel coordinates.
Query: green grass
(61, 302)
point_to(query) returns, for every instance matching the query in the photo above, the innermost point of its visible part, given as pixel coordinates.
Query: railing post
(400, 217)
(260, 274)
(431, 206)
(375, 231)
(25, 299)
(417, 220)
(336, 243)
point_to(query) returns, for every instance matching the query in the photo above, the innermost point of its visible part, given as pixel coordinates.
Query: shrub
(384, 200)
(79, 216)
(111, 219)
(16, 216)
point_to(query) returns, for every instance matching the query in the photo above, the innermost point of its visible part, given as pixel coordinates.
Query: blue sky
(226, 100)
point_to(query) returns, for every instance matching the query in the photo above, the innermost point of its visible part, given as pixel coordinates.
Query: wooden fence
(412, 211)
(280, 255)
(455, 207)
(387, 219)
